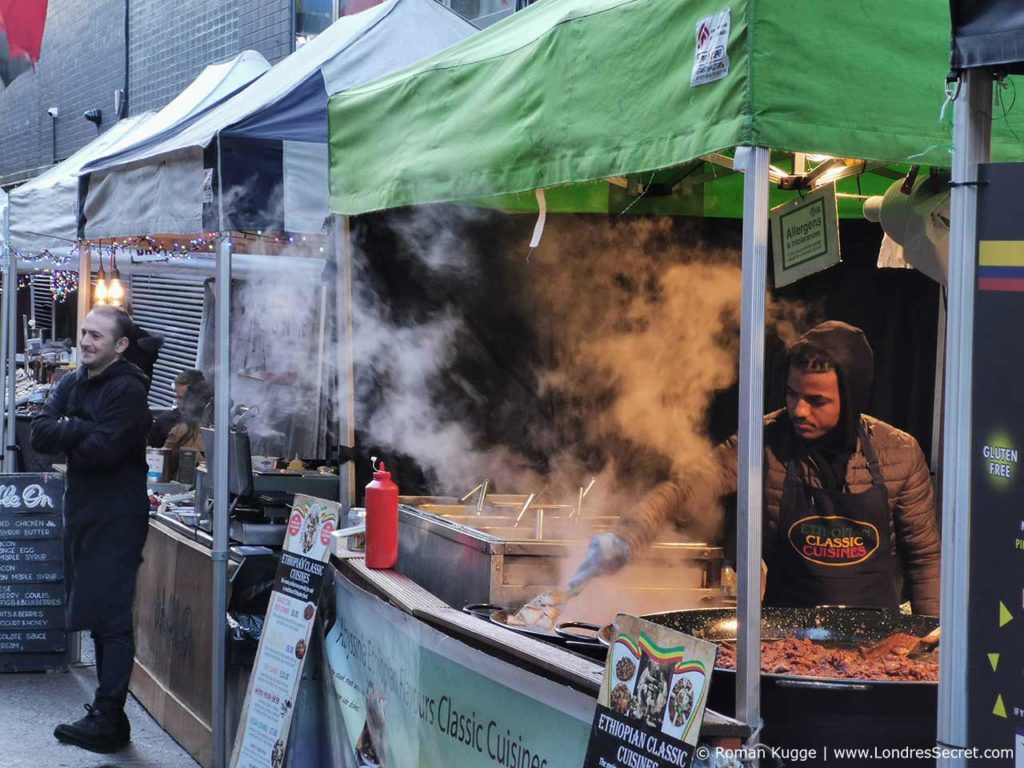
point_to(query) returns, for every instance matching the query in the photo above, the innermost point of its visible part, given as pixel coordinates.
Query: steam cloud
(636, 330)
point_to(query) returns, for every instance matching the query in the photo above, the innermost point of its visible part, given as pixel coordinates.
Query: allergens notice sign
(805, 236)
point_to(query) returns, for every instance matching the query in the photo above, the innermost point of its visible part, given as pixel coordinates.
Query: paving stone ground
(31, 704)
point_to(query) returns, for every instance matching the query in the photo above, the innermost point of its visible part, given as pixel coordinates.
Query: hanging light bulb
(99, 293)
(115, 291)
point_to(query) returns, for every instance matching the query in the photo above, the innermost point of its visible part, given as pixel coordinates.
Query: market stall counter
(174, 637)
(427, 684)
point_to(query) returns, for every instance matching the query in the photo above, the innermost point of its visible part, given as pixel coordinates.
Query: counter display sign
(652, 698)
(274, 683)
(995, 632)
(32, 635)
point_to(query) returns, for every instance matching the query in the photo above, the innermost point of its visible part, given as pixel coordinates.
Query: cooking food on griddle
(651, 694)
(541, 612)
(682, 701)
(794, 656)
(621, 699)
(624, 668)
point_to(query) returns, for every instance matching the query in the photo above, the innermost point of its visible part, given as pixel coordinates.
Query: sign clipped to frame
(651, 705)
(805, 236)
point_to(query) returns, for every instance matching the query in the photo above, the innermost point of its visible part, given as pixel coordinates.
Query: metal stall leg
(751, 439)
(10, 444)
(972, 133)
(341, 244)
(6, 331)
(222, 425)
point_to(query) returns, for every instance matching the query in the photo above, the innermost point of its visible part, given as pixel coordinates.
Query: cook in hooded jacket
(848, 504)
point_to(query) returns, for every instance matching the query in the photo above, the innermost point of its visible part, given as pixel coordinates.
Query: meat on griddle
(805, 658)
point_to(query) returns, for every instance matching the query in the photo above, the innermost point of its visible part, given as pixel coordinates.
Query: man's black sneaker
(97, 731)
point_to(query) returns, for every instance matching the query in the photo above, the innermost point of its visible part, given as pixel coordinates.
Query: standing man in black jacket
(99, 418)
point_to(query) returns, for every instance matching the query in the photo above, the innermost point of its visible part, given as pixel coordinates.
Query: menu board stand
(32, 585)
(277, 672)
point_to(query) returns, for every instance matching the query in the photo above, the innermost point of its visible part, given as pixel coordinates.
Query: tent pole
(5, 329)
(10, 444)
(84, 284)
(221, 424)
(940, 375)
(751, 438)
(972, 134)
(341, 242)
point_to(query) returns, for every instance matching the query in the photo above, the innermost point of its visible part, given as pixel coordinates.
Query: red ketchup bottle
(381, 520)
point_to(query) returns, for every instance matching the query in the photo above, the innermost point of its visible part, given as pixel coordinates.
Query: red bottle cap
(381, 473)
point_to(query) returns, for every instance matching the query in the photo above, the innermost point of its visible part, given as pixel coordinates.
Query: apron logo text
(833, 540)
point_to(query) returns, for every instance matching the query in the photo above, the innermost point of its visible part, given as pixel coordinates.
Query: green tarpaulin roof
(572, 91)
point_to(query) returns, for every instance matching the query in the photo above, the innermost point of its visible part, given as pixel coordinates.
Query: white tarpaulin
(278, 182)
(44, 211)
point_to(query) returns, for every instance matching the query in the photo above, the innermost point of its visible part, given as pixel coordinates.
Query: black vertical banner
(32, 635)
(996, 614)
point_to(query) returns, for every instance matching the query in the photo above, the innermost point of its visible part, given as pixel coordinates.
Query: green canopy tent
(584, 90)
(583, 98)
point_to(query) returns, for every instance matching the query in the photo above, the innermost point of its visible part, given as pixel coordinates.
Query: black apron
(833, 548)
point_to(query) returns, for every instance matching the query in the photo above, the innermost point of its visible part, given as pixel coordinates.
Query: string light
(115, 292)
(99, 293)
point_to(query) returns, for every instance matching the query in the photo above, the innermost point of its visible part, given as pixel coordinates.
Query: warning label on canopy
(711, 57)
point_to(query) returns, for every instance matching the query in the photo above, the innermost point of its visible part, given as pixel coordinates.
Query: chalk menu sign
(32, 635)
(274, 683)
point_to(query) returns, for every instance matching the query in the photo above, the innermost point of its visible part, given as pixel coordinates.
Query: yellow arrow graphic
(1005, 617)
(993, 659)
(999, 710)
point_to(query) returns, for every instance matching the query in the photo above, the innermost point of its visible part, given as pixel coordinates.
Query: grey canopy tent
(256, 162)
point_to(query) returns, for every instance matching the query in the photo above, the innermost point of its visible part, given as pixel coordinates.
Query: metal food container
(508, 550)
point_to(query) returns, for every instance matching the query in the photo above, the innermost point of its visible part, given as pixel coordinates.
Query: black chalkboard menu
(32, 634)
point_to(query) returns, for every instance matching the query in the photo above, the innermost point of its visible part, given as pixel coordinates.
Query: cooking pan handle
(561, 631)
(482, 610)
(821, 686)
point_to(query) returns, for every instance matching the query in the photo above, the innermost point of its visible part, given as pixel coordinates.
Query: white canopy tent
(44, 211)
(273, 136)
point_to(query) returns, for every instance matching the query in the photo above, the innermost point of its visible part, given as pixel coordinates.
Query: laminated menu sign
(277, 671)
(32, 634)
(651, 704)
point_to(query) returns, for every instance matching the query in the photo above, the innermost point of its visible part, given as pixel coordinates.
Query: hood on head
(848, 349)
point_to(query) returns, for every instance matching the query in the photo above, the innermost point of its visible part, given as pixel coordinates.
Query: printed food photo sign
(277, 671)
(652, 698)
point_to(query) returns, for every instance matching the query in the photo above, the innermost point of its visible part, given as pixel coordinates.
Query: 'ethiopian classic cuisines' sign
(274, 683)
(833, 539)
(652, 698)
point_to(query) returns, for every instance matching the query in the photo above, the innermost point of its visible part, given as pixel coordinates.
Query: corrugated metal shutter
(41, 289)
(170, 306)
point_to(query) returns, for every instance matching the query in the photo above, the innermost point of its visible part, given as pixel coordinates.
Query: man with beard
(848, 502)
(99, 418)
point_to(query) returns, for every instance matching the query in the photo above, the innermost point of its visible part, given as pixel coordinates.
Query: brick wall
(83, 59)
(81, 63)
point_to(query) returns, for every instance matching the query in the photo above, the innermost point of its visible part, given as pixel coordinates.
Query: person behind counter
(166, 421)
(99, 418)
(848, 502)
(186, 434)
